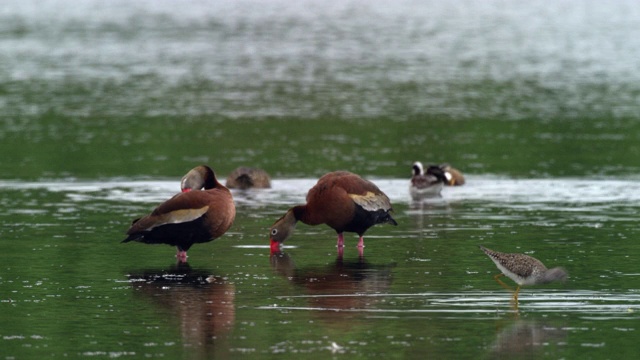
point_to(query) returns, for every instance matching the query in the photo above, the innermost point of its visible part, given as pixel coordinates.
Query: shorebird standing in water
(523, 270)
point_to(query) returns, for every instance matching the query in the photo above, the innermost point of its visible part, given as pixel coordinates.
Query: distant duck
(190, 217)
(246, 177)
(425, 184)
(523, 269)
(342, 200)
(454, 176)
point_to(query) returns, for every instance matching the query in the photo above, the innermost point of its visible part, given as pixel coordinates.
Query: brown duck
(190, 217)
(453, 175)
(246, 178)
(342, 200)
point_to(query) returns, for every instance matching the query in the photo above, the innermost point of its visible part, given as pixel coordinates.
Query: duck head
(281, 230)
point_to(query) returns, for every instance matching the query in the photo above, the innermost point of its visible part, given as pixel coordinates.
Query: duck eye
(274, 231)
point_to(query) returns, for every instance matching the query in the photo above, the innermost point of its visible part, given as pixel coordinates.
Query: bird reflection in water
(427, 215)
(337, 288)
(203, 303)
(526, 338)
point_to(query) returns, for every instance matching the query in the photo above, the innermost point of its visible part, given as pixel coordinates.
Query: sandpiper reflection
(525, 338)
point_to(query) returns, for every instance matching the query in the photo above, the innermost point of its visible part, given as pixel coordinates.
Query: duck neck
(210, 180)
(300, 213)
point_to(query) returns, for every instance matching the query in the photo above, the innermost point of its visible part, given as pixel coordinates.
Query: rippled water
(105, 105)
(355, 58)
(421, 286)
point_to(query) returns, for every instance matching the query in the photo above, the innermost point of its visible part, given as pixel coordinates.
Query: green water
(106, 106)
(167, 146)
(70, 289)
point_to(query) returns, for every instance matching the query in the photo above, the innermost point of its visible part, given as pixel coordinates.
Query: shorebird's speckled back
(524, 269)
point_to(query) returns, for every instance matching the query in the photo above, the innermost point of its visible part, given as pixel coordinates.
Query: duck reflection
(524, 338)
(343, 286)
(203, 303)
(423, 213)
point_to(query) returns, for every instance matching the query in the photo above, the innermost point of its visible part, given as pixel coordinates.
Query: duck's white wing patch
(180, 216)
(371, 201)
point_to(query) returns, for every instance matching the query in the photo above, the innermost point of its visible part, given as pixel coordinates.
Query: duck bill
(186, 190)
(275, 246)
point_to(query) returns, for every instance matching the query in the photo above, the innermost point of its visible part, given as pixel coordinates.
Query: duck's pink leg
(340, 240)
(181, 255)
(361, 242)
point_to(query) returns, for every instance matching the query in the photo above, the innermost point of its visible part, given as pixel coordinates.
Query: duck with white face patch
(427, 183)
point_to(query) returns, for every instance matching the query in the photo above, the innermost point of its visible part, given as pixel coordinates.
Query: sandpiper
(523, 269)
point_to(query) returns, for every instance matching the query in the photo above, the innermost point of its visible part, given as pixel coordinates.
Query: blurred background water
(150, 87)
(106, 104)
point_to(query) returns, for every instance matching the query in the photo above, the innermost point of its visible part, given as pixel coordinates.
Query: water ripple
(594, 304)
(574, 195)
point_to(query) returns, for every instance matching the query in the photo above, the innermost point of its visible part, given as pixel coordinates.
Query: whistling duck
(245, 178)
(198, 178)
(342, 200)
(189, 217)
(453, 175)
(523, 269)
(426, 184)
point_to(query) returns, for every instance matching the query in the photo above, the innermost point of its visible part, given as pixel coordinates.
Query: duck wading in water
(342, 200)
(193, 216)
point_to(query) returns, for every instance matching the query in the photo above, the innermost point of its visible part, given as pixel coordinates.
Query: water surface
(105, 105)
(420, 287)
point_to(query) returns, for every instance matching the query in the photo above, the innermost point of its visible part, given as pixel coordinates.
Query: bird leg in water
(181, 255)
(515, 294)
(340, 241)
(514, 307)
(497, 278)
(361, 242)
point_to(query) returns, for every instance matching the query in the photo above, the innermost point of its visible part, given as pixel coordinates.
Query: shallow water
(421, 287)
(105, 105)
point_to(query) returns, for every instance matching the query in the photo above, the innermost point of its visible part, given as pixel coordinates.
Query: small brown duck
(523, 269)
(453, 175)
(190, 217)
(246, 178)
(342, 200)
